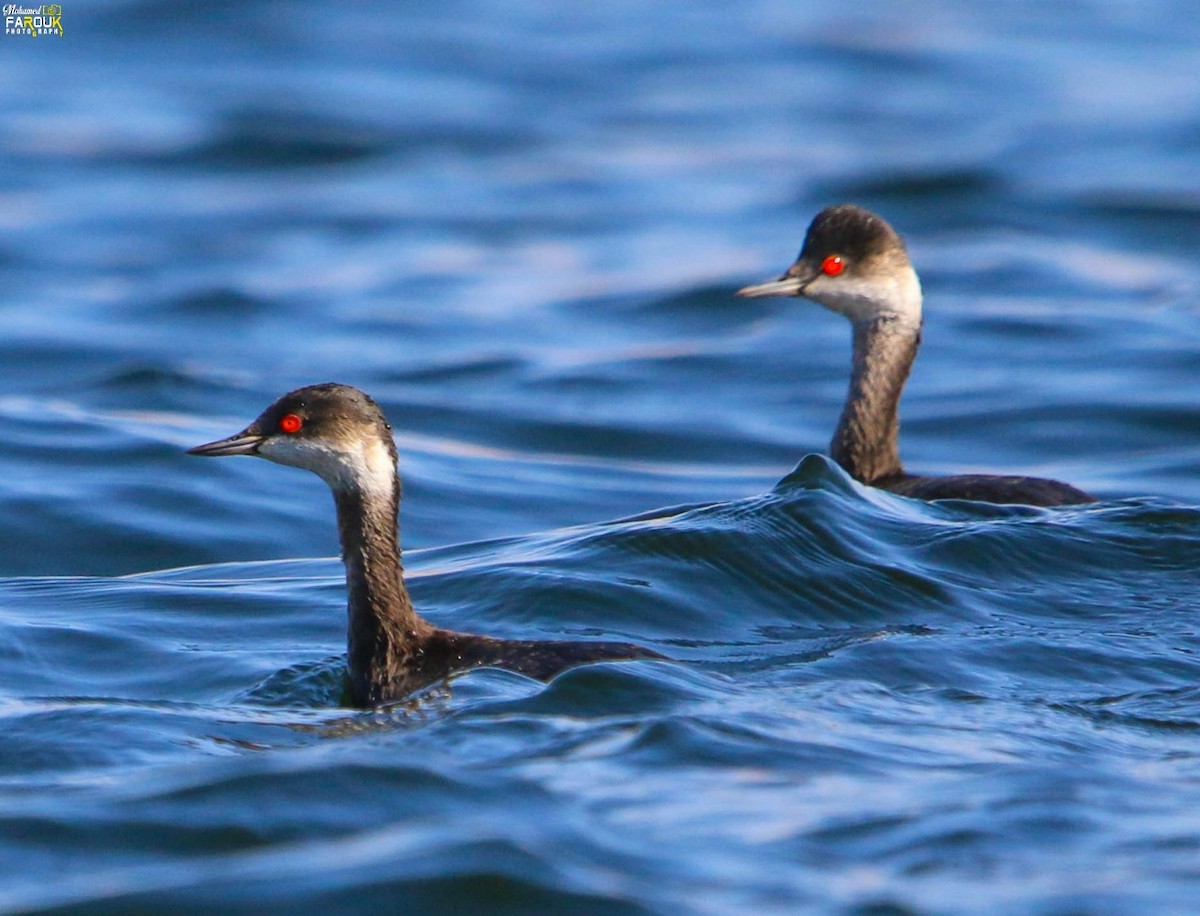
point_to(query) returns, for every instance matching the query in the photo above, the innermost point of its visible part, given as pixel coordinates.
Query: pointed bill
(784, 286)
(243, 443)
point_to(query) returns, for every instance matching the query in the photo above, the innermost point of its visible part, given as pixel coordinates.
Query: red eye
(833, 265)
(290, 423)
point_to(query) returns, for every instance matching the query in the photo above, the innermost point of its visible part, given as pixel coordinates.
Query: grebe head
(853, 263)
(335, 431)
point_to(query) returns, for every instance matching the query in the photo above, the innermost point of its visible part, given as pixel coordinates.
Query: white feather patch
(867, 298)
(366, 466)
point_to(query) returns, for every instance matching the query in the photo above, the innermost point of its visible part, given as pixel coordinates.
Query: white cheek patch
(367, 467)
(302, 453)
(864, 299)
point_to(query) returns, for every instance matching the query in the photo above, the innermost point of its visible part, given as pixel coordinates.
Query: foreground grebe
(341, 435)
(854, 263)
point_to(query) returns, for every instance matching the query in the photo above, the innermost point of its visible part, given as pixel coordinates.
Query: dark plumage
(339, 433)
(854, 263)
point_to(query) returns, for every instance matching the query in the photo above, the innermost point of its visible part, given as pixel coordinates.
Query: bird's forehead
(859, 238)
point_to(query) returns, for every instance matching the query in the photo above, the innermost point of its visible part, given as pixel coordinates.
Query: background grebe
(854, 263)
(340, 434)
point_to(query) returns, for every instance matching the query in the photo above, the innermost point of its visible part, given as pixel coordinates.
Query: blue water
(520, 227)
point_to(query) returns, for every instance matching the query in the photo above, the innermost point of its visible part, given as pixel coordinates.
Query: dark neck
(865, 442)
(384, 628)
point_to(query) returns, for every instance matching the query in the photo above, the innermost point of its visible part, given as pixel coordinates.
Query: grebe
(855, 264)
(340, 434)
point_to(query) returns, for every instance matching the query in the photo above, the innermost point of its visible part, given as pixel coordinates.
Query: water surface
(521, 230)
